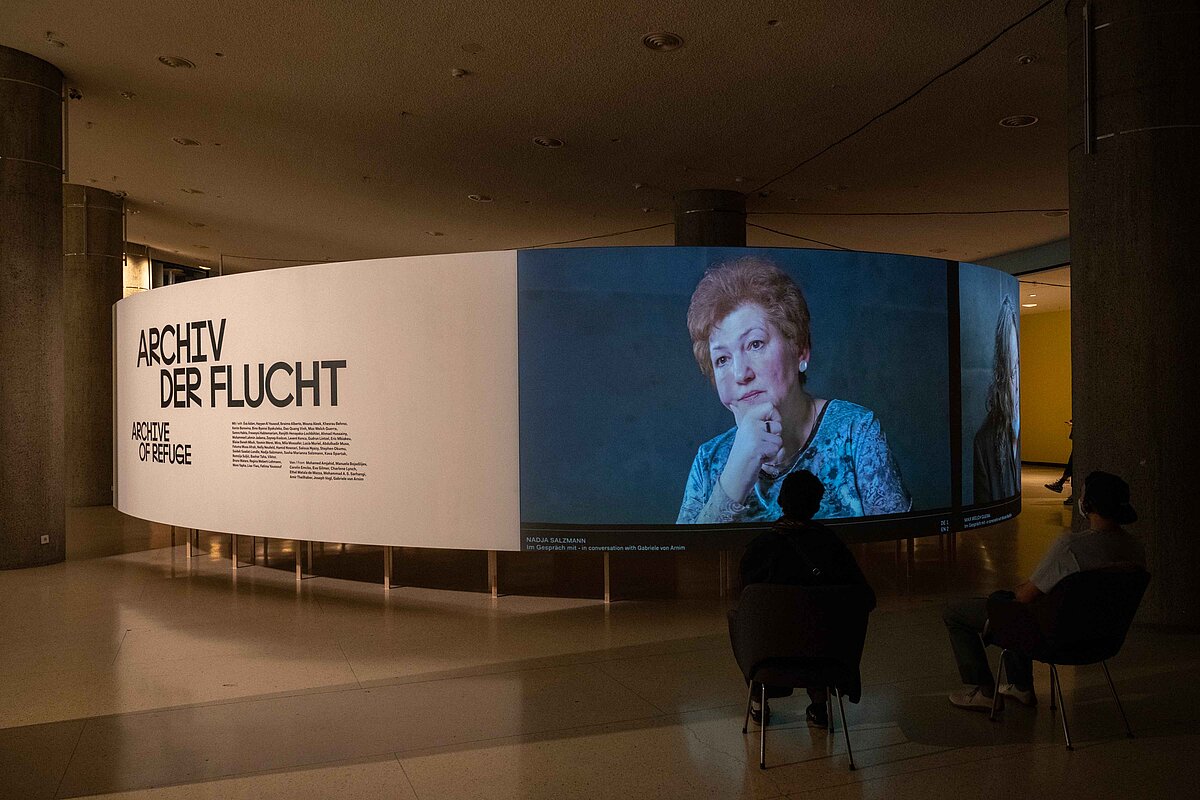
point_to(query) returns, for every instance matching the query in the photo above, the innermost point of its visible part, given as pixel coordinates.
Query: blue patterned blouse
(848, 453)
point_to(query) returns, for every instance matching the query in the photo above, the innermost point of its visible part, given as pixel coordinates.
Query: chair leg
(1121, 708)
(762, 731)
(1053, 702)
(749, 697)
(1062, 705)
(846, 731)
(996, 686)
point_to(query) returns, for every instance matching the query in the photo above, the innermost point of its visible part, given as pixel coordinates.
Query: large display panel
(638, 399)
(371, 402)
(991, 395)
(626, 439)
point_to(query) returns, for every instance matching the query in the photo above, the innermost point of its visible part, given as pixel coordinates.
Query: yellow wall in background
(1045, 386)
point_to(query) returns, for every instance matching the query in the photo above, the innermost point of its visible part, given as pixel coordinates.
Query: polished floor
(132, 672)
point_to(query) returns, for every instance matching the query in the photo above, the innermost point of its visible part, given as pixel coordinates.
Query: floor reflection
(131, 671)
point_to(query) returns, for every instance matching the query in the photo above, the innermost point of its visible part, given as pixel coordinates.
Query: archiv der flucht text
(178, 348)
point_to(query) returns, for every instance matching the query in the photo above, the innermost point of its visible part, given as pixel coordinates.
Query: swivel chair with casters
(801, 637)
(1083, 620)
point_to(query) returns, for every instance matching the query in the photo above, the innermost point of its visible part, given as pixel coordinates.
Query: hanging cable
(892, 108)
(794, 236)
(599, 236)
(907, 213)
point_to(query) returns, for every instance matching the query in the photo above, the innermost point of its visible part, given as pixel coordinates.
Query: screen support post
(607, 581)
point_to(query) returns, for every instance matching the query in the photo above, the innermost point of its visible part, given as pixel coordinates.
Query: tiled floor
(133, 673)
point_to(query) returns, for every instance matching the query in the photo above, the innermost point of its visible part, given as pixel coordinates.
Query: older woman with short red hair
(749, 325)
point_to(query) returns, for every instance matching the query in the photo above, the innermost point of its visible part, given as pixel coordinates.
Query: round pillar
(32, 516)
(710, 218)
(93, 257)
(1134, 124)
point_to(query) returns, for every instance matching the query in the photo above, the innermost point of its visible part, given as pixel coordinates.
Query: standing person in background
(799, 552)
(1057, 486)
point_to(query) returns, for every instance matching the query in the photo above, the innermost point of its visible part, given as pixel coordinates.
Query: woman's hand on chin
(753, 446)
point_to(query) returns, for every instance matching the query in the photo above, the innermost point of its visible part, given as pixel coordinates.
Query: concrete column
(710, 218)
(31, 313)
(1135, 244)
(93, 244)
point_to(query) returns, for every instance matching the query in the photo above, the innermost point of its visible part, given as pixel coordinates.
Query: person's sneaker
(817, 715)
(973, 698)
(1055, 487)
(756, 712)
(1025, 697)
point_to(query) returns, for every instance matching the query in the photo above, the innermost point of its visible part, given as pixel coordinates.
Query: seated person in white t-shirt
(1105, 503)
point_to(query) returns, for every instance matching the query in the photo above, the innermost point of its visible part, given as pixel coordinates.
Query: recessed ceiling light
(1031, 294)
(1054, 213)
(1028, 305)
(435, 233)
(771, 23)
(480, 198)
(186, 142)
(1026, 58)
(1018, 121)
(128, 95)
(176, 62)
(548, 141)
(54, 40)
(662, 41)
(219, 55)
(197, 224)
(937, 250)
(459, 72)
(191, 191)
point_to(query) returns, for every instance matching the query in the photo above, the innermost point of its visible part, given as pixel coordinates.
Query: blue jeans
(964, 622)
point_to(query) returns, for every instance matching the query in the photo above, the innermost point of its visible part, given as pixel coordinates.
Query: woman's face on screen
(752, 361)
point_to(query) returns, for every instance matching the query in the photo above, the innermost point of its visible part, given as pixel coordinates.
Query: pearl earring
(803, 366)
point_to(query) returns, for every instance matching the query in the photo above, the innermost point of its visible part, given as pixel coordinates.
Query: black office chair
(1083, 620)
(801, 637)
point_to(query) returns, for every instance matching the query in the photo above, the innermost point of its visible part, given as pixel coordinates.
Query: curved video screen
(667, 392)
(635, 399)
(991, 395)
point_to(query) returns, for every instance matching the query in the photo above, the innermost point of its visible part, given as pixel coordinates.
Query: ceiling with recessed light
(1045, 291)
(305, 132)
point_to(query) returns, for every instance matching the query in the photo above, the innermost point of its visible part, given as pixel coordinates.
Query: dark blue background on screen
(613, 405)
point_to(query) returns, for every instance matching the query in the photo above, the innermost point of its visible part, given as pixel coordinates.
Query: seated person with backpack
(799, 552)
(1105, 503)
